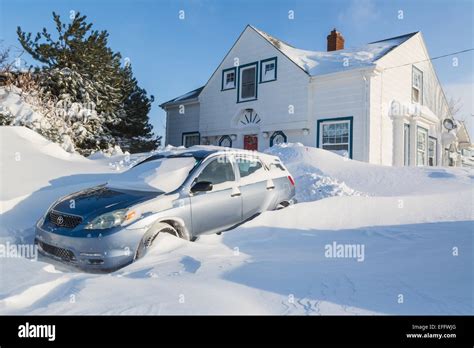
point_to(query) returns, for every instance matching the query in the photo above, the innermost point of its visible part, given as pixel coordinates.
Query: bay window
(406, 144)
(432, 144)
(421, 146)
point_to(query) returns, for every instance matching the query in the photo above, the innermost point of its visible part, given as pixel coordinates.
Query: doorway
(251, 142)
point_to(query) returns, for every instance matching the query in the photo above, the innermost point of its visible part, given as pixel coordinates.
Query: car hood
(98, 200)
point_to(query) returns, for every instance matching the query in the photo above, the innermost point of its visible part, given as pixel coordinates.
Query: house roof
(403, 37)
(185, 97)
(316, 63)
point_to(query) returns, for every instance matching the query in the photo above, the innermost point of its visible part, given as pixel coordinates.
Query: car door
(254, 185)
(220, 208)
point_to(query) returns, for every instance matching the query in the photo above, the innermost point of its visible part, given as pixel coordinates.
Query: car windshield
(162, 174)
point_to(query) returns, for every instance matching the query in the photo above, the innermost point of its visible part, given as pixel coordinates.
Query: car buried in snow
(186, 193)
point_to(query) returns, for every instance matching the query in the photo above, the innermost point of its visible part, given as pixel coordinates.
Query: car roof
(200, 152)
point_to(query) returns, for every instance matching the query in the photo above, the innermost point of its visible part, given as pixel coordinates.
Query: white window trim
(224, 79)
(435, 151)
(419, 89)
(425, 161)
(335, 122)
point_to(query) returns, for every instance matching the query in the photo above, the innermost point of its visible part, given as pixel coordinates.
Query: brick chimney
(335, 41)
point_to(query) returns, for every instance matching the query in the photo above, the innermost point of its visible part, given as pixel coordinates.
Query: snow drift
(164, 175)
(414, 224)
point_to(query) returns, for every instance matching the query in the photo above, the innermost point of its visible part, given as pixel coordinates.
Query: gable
(399, 63)
(250, 47)
(252, 54)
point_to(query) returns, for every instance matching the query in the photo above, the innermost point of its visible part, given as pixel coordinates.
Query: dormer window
(417, 86)
(268, 70)
(228, 79)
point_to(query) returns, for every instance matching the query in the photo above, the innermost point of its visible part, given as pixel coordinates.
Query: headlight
(112, 219)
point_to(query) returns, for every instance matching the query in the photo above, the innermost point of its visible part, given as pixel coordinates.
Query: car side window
(247, 167)
(217, 171)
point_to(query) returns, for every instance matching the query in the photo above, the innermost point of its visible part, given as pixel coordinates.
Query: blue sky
(171, 56)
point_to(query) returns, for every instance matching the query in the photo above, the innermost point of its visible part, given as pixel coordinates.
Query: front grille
(63, 254)
(64, 220)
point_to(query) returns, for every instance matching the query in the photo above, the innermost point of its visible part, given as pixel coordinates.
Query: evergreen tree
(81, 49)
(80, 69)
(134, 128)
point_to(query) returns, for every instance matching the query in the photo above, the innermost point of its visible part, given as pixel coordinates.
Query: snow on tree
(94, 102)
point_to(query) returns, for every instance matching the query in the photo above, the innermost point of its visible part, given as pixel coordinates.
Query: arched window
(277, 137)
(225, 141)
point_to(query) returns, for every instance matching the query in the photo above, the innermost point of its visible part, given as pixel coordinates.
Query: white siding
(394, 83)
(340, 95)
(177, 124)
(219, 108)
(363, 94)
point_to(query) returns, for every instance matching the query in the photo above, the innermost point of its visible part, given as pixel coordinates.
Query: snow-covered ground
(412, 229)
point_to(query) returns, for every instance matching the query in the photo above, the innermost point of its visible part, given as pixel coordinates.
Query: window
(228, 79)
(225, 141)
(421, 146)
(277, 138)
(248, 166)
(217, 171)
(417, 86)
(432, 144)
(268, 70)
(451, 155)
(248, 82)
(336, 135)
(191, 139)
(406, 145)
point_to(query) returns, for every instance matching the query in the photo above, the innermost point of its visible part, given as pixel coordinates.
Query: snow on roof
(317, 63)
(187, 96)
(321, 62)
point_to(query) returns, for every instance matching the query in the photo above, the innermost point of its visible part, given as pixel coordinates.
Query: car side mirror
(201, 186)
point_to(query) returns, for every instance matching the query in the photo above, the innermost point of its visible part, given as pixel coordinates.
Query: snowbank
(34, 172)
(369, 179)
(413, 225)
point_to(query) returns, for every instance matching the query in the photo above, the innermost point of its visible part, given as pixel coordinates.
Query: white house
(380, 103)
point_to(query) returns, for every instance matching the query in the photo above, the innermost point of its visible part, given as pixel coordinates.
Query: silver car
(186, 193)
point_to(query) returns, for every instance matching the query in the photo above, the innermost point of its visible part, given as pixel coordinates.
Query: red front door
(251, 142)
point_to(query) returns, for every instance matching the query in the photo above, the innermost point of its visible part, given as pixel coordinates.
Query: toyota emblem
(60, 220)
